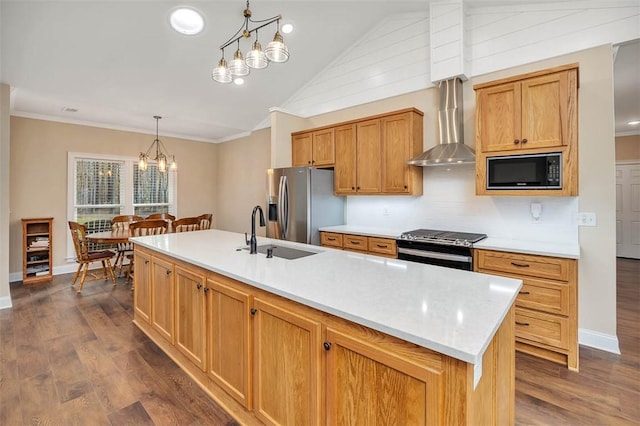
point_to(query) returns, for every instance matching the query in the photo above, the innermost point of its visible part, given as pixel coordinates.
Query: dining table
(117, 236)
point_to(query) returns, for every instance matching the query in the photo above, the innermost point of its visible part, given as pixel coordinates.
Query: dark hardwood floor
(67, 359)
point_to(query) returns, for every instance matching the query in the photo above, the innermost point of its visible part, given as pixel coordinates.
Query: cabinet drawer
(382, 246)
(524, 264)
(354, 242)
(543, 328)
(546, 296)
(331, 239)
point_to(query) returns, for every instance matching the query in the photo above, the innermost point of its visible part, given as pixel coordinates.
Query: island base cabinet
(190, 315)
(228, 328)
(142, 285)
(162, 297)
(365, 385)
(287, 366)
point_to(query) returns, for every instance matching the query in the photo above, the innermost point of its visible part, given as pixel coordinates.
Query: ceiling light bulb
(256, 58)
(186, 21)
(221, 73)
(239, 81)
(276, 50)
(237, 66)
(287, 28)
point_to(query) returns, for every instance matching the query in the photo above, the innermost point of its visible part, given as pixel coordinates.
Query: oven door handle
(435, 255)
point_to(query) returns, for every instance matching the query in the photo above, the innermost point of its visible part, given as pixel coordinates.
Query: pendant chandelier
(256, 58)
(160, 158)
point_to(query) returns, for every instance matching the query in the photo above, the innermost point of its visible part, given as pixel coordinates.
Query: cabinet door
(302, 149)
(368, 385)
(287, 367)
(162, 297)
(544, 111)
(498, 117)
(228, 335)
(190, 315)
(396, 150)
(324, 151)
(344, 174)
(142, 285)
(369, 157)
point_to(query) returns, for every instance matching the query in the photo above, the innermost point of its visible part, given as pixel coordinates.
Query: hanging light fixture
(161, 158)
(256, 58)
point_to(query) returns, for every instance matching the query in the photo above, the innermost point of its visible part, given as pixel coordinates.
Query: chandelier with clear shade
(161, 158)
(256, 58)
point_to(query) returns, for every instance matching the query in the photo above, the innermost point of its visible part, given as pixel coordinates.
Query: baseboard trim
(5, 302)
(597, 340)
(57, 270)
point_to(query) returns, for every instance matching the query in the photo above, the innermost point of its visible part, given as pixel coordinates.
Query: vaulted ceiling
(118, 63)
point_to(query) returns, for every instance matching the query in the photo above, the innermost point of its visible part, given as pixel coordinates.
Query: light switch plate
(586, 219)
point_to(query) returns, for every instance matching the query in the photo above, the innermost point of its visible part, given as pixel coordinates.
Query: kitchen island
(331, 337)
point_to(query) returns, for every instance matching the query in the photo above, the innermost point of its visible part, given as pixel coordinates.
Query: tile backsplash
(449, 202)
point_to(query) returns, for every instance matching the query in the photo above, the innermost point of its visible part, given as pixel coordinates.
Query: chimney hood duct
(451, 149)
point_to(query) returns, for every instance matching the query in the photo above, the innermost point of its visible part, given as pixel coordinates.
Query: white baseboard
(5, 302)
(57, 270)
(597, 340)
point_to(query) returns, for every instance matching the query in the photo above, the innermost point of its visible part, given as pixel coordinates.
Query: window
(101, 187)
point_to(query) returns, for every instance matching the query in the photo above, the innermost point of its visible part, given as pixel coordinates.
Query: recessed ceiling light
(186, 21)
(239, 81)
(634, 122)
(287, 28)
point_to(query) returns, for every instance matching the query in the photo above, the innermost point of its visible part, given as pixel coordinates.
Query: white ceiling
(118, 62)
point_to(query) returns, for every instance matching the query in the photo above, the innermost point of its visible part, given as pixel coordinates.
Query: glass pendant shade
(238, 67)
(221, 73)
(162, 162)
(174, 165)
(142, 162)
(256, 58)
(277, 51)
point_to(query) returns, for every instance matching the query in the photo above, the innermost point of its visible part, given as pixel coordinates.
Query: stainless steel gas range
(442, 248)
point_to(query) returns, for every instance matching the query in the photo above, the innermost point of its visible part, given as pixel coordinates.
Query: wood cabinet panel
(355, 242)
(302, 149)
(142, 285)
(498, 117)
(366, 385)
(287, 369)
(331, 239)
(228, 306)
(369, 157)
(324, 152)
(345, 175)
(539, 327)
(190, 315)
(383, 246)
(401, 140)
(162, 297)
(545, 111)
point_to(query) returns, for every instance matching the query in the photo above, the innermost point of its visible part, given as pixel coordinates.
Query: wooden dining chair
(165, 216)
(121, 223)
(85, 257)
(206, 220)
(186, 224)
(142, 228)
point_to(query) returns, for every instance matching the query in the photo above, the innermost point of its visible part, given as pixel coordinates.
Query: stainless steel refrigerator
(299, 201)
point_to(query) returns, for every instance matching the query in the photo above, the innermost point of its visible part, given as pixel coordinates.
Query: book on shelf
(42, 273)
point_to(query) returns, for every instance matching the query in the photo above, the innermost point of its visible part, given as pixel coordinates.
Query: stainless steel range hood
(451, 149)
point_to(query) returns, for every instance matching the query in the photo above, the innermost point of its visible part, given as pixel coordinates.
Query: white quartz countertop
(571, 251)
(449, 311)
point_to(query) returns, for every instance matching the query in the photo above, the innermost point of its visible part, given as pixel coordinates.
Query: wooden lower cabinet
(268, 360)
(162, 297)
(367, 385)
(287, 365)
(385, 247)
(228, 336)
(190, 315)
(142, 285)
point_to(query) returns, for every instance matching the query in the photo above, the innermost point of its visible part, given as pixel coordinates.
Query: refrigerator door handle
(284, 202)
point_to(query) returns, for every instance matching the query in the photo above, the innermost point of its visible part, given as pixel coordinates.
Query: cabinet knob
(517, 141)
(406, 187)
(206, 289)
(357, 188)
(309, 162)
(524, 141)
(146, 262)
(198, 286)
(327, 345)
(353, 188)
(313, 161)
(253, 311)
(168, 272)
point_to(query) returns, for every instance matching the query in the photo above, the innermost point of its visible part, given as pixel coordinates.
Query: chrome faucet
(253, 244)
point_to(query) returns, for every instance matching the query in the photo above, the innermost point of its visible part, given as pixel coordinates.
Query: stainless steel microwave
(535, 171)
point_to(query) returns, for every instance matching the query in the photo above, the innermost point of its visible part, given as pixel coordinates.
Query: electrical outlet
(385, 211)
(586, 219)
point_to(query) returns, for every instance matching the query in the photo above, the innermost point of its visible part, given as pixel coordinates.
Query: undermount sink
(283, 252)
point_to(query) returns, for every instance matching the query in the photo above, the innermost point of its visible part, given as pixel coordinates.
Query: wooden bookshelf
(37, 254)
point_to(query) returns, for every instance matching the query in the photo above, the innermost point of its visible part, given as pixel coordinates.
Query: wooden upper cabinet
(368, 157)
(316, 148)
(401, 140)
(534, 112)
(345, 176)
